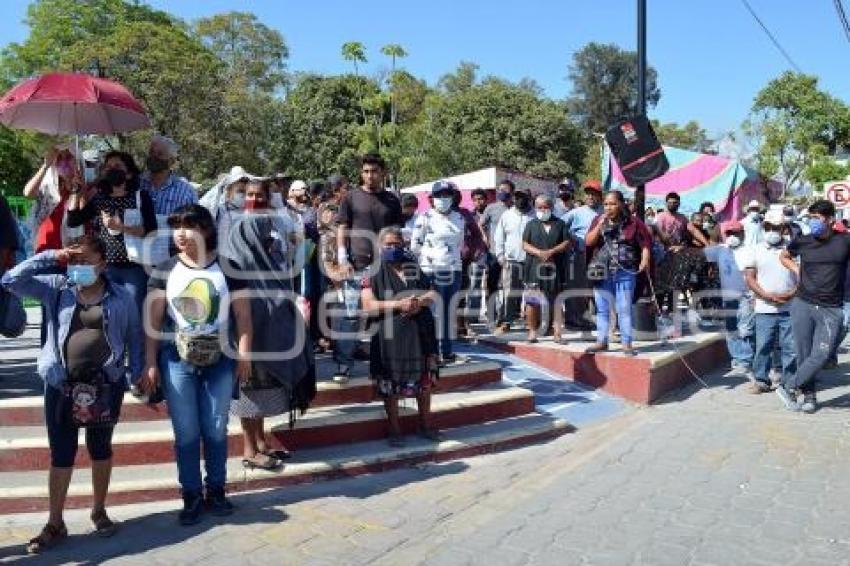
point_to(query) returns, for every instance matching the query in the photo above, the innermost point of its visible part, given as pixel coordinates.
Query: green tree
(250, 49)
(605, 80)
(393, 51)
(57, 25)
(689, 136)
(824, 169)
(463, 78)
(793, 123)
(18, 158)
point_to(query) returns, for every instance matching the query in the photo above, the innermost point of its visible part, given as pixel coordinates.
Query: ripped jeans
(198, 403)
(815, 332)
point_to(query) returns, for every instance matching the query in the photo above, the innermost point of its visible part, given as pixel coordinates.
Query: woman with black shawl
(284, 376)
(403, 354)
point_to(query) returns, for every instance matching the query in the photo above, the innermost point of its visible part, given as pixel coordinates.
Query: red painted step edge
(39, 504)
(34, 415)
(296, 439)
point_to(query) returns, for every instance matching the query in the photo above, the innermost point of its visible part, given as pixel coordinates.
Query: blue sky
(710, 54)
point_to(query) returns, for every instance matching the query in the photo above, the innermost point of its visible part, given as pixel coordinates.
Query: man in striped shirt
(168, 191)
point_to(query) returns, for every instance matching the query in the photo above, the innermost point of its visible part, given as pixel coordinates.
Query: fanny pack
(88, 399)
(201, 350)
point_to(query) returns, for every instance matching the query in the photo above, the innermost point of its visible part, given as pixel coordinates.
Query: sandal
(282, 454)
(49, 537)
(103, 525)
(270, 464)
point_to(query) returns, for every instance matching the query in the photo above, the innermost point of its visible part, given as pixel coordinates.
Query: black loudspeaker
(637, 151)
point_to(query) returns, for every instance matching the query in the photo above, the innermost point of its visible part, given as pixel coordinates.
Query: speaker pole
(640, 190)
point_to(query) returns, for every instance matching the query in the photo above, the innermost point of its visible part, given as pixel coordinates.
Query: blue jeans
(447, 285)
(619, 285)
(198, 404)
(773, 329)
(739, 331)
(133, 278)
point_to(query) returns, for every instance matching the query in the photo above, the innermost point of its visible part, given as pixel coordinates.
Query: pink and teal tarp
(698, 178)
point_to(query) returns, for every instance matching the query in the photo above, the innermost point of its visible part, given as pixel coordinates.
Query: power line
(770, 35)
(842, 16)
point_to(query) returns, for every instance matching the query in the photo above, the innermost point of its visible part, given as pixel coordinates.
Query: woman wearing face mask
(403, 352)
(437, 240)
(545, 241)
(277, 385)
(619, 246)
(194, 360)
(91, 325)
(118, 209)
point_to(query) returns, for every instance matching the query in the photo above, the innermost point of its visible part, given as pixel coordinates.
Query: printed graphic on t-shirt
(198, 303)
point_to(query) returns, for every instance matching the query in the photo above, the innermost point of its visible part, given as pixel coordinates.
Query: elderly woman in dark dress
(545, 241)
(404, 349)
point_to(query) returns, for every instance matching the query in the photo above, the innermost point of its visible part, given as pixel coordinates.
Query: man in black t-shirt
(816, 314)
(363, 212)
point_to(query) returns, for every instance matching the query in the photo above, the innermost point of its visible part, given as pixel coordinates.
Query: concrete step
(150, 442)
(26, 491)
(29, 410)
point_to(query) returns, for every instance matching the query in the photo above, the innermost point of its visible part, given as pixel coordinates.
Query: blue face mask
(503, 196)
(393, 255)
(82, 275)
(818, 227)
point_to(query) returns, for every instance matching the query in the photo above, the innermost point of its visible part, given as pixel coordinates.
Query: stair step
(27, 491)
(29, 410)
(26, 447)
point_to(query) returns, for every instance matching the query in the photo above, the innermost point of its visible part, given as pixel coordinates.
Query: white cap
(298, 187)
(754, 204)
(774, 217)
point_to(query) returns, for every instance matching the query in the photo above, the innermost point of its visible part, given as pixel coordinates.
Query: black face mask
(115, 177)
(406, 217)
(156, 165)
(673, 207)
(522, 203)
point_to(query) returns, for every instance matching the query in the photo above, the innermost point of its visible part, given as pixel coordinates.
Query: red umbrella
(72, 103)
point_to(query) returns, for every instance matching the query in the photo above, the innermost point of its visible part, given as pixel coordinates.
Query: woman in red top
(50, 187)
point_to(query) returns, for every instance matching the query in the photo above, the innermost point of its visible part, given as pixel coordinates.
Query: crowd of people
(219, 305)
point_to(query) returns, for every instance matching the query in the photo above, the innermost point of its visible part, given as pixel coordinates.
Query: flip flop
(49, 537)
(104, 526)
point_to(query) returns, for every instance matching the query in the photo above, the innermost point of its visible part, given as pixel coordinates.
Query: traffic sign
(838, 193)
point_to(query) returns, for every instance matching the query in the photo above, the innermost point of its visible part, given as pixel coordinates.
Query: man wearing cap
(774, 286)
(753, 230)
(167, 191)
(578, 221)
(732, 258)
(509, 252)
(816, 311)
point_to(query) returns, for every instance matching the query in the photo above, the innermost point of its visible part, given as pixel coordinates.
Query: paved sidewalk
(711, 476)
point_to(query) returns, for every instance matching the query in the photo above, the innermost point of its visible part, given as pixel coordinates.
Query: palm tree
(393, 51)
(355, 52)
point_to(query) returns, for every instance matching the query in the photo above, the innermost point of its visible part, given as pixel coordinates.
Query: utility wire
(771, 36)
(842, 16)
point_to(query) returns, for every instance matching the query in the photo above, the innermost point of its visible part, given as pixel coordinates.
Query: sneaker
(758, 387)
(831, 364)
(342, 376)
(809, 404)
(447, 359)
(217, 502)
(788, 399)
(193, 506)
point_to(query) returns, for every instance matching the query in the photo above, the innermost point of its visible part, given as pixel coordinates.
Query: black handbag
(13, 317)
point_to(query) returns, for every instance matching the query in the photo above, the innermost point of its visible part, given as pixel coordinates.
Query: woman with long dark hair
(118, 213)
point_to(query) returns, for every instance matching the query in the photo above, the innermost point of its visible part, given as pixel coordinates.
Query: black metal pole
(640, 190)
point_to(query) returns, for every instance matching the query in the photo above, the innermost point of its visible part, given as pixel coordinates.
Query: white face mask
(544, 215)
(733, 241)
(443, 204)
(276, 200)
(238, 200)
(753, 215)
(650, 220)
(773, 238)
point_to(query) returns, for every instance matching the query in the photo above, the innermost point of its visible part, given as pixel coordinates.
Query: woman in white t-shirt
(191, 298)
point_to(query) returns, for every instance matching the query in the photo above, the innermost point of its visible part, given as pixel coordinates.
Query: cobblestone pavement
(711, 476)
